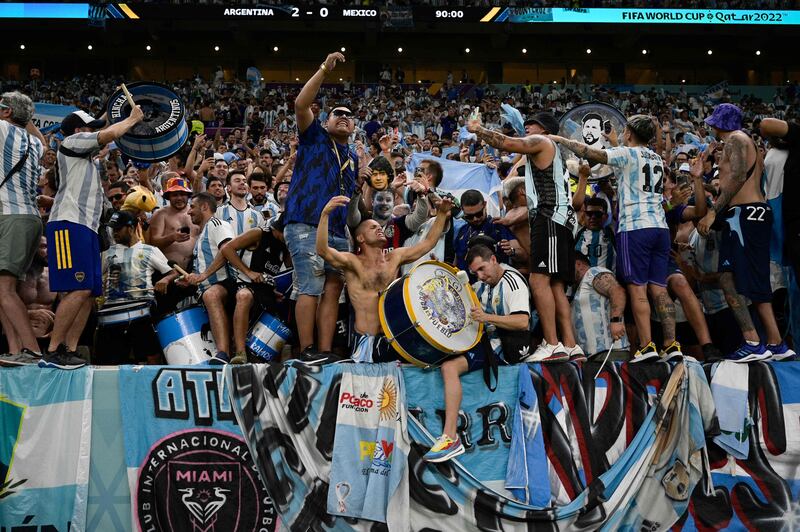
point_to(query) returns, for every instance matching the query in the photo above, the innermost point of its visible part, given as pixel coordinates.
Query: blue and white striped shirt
(509, 296)
(599, 246)
(640, 178)
(268, 209)
(705, 255)
(591, 315)
(215, 233)
(137, 264)
(241, 221)
(18, 195)
(80, 197)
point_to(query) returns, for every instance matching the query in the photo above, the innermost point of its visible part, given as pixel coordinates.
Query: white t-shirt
(80, 197)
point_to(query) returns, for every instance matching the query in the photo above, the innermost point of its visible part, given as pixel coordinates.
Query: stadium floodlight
(343, 49)
(466, 50)
(274, 48)
(758, 52)
(710, 52)
(588, 50)
(216, 48)
(524, 50)
(21, 46)
(148, 48)
(400, 50)
(89, 47)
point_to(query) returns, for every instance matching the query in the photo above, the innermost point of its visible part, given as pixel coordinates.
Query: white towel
(729, 386)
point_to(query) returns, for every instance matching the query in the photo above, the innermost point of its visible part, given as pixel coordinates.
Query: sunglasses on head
(342, 112)
(595, 214)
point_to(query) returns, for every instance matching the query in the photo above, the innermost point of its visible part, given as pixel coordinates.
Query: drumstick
(128, 95)
(604, 361)
(138, 290)
(180, 270)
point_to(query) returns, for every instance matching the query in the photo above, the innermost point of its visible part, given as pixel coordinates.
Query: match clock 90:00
(448, 13)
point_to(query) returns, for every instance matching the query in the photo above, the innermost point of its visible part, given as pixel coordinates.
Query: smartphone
(184, 230)
(607, 127)
(209, 153)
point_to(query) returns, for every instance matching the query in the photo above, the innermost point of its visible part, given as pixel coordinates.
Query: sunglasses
(342, 112)
(473, 216)
(4, 106)
(116, 197)
(594, 214)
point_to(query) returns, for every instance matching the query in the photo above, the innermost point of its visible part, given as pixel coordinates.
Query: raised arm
(584, 171)
(735, 151)
(336, 258)
(115, 131)
(593, 155)
(773, 127)
(532, 144)
(410, 254)
(302, 104)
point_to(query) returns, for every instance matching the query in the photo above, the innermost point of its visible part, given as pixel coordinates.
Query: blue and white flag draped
(45, 443)
(460, 177)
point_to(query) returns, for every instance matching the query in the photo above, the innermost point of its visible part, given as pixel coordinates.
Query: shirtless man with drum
(371, 271)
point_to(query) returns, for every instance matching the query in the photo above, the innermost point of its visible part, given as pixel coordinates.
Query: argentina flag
(45, 440)
(460, 177)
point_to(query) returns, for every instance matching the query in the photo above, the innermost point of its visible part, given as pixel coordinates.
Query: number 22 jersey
(640, 182)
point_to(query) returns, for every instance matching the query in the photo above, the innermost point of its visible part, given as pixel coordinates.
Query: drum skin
(161, 133)
(407, 335)
(116, 312)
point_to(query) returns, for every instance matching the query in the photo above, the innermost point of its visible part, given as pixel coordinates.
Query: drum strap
(490, 366)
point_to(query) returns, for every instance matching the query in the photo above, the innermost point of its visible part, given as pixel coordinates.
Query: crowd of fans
(240, 204)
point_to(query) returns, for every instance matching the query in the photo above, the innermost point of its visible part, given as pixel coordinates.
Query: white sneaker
(547, 353)
(576, 353)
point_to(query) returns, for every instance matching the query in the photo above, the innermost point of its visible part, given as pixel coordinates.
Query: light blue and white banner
(45, 443)
(48, 116)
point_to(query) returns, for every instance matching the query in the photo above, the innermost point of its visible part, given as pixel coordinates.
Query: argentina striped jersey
(215, 233)
(80, 197)
(548, 191)
(591, 315)
(705, 255)
(18, 194)
(509, 296)
(640, 181)
(241, 221)
(599, 246)
(137, 265)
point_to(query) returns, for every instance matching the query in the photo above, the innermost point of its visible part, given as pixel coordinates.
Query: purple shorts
(643, 256)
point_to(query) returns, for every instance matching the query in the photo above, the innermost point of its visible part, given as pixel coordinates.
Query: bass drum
(161, 133)
(186, 338)
(586, 123)
(425, 314)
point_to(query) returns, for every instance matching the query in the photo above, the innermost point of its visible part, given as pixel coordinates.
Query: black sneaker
(62, 359)
(312, 357)
(220, 359)
(711, 353)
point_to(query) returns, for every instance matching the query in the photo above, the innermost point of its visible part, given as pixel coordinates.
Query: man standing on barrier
(20, 224)
(325, 167)
(371, 271)
(552, 220)
(505, 311)
(72, 239)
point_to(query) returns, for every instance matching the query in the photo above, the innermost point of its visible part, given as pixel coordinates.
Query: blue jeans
(309, 268)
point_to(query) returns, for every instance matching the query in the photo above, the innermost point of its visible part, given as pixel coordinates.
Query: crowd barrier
(171, 448)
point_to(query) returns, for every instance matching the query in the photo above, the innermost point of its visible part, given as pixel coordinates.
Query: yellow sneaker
(648, 352)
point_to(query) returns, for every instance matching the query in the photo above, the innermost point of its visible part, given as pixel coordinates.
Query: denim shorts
(309, 268)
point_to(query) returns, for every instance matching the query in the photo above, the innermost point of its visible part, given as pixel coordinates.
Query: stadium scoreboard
(397, 16)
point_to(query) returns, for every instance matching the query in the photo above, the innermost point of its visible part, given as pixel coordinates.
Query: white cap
(685, 168)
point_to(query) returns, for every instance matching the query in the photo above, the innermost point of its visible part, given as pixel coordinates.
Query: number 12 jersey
(640, 182)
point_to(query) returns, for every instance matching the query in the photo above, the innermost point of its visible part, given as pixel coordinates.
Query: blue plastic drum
(161, 133)
(186, 338)
(425, 314)
(267, 337)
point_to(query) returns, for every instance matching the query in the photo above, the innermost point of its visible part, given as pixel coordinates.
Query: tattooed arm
(735, 151)
(607, 286)
(531, 145)
(583, 151)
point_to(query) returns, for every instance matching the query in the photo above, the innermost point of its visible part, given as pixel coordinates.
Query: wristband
(323, 68)
(617, 319)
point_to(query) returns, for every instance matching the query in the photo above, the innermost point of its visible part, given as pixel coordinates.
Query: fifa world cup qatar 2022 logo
(202, 481)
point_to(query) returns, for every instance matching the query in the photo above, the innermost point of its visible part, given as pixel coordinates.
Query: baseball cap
(80, 119)
(726, 117)
(685, 168)
(547, 120)
(230, 157)
(120, 219)
(177, 184)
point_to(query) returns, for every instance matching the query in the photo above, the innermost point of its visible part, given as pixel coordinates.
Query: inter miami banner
(45, 441)
(189, 469)
(288, 414)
